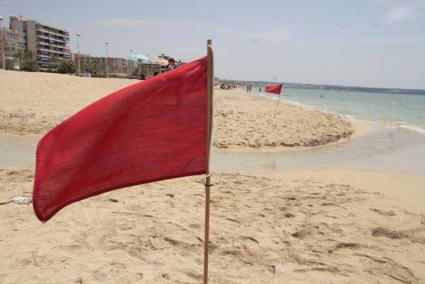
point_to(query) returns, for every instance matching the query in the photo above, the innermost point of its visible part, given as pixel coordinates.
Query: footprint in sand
(384, 232)
(251, 239)
(195, 226)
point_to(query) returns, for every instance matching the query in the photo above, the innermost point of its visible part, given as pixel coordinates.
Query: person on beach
(171, 64)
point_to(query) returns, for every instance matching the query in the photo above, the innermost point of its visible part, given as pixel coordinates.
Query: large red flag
(153, 130)
(274, 89)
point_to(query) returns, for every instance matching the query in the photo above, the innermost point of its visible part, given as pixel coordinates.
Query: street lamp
(106, 59)
(2, 44)
(128, 63)
(78, 54)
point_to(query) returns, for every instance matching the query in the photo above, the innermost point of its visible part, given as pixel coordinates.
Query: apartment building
(12, 41)
(97, 65)
(49, 45)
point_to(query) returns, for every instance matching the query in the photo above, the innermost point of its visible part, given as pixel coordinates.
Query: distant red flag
(150, 131)
(275, 89)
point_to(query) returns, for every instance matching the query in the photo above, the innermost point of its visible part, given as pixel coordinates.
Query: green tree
(10, 64)
(26, 61)
(66, 67)
(95, 67)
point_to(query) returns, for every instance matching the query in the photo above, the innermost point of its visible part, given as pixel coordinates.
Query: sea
(393, 110)
(396, 142)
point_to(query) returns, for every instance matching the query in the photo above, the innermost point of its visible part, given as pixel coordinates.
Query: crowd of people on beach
(233, 86)
(226, 86)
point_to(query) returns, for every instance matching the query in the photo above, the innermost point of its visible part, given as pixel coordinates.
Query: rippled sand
(291, 229)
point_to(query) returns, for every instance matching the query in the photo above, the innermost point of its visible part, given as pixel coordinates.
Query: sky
(372, 43)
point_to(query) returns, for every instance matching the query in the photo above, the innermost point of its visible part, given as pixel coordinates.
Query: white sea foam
(349, 117)
(404, 125)
(298, 104)
(413, 127)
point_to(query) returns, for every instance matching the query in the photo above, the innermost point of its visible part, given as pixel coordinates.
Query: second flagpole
(210, 62)
(277, 104)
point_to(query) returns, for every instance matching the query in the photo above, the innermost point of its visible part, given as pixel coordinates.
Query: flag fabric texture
(274, 89)
(149, 131)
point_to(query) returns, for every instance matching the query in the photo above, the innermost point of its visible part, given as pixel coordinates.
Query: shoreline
(245, 122)
(33, 103)
(360, 128)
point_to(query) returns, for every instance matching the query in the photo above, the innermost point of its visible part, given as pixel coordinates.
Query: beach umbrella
(121, 140)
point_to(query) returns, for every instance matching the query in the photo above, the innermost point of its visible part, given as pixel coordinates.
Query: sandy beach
(33, 103)
(297, 228)
(322, 226)
(245, 122)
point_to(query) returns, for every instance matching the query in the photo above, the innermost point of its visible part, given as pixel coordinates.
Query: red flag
(150, 131)
(275, 89)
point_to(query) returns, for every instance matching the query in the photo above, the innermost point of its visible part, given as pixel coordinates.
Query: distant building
(83, 61)
(116, 65)
(12, 42)
(96, 65)
(49, 45)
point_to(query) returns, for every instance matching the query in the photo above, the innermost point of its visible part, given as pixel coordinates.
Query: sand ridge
(33, 103)
(247, 121)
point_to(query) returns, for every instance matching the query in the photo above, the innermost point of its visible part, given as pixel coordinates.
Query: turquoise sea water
(395, 144)
(387, 109)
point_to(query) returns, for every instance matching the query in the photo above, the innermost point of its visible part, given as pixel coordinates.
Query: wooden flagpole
(276, 106)
(275, 110)
(210, 83)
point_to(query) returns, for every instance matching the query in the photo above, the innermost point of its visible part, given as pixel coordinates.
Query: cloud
(399, 14)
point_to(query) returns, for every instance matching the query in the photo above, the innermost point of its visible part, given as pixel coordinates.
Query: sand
(298, 228)
(301, 227)
(245, 121)
(33, 103)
